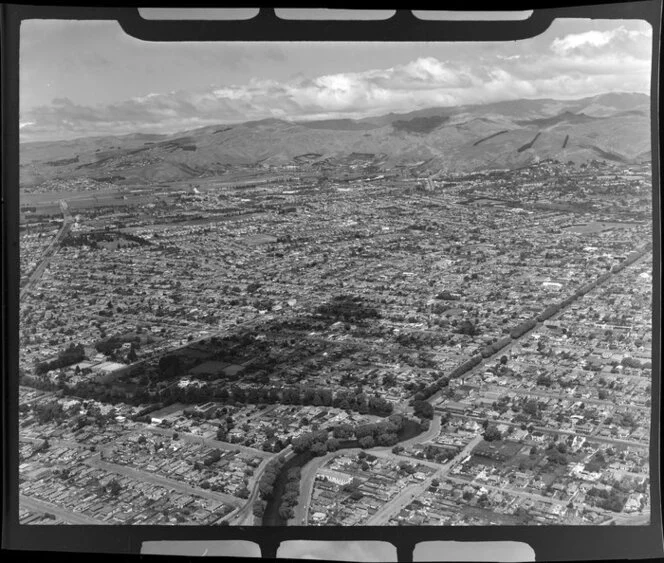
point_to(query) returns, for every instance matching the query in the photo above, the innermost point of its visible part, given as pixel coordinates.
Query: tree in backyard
(343, 431)
(169, 366)
(366, 442)
(423, 409)
(114, 487)
(286, 512)
(531, 407)
(318, 449)
(387, 439)
(492, 433)
(332, 445)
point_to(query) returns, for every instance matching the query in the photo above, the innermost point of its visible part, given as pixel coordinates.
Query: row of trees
(343, 398)
(269, 477)
(291, 493)
(631, 258)
(384, 433)
(491, 349)
(465, 366)
(522, 328)
(73, 354)
(93, 239)
(611, 499)
(315, 442)
(551, 310)
(108, 345)
(430, 390)
(630, 362)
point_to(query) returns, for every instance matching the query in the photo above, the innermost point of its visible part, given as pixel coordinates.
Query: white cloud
(574, 65)
(590, 41)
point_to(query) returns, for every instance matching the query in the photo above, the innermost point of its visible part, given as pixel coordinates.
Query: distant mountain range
(613, 127)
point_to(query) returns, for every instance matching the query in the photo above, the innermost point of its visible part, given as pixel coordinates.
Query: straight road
(194, 438)
(515, 492)
(589, 438)
(68, 516)
(50, 250)
(562, 396)
(524, 494)
(147, 477)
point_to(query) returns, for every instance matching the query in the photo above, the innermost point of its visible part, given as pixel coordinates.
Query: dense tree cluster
(47, 412)
(267, 481)
(557, 454)
(423, 409)
(111, 343)
(429, 390)
(447, 296)
(494, 347)
(93, 239)
(465, 366)
(548, 312)
(596, 463)
(466, 327)
(347, 308)
(492, 434)
(259, 508)
(73, 354)
(531, 407)
(384, 433)
(291, 493)
(437, 454)
(315, 442)
(544, 380)
(630, 362)
(612, 499)
(522, 328)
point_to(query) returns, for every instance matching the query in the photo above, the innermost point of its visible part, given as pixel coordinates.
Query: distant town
(339, 341)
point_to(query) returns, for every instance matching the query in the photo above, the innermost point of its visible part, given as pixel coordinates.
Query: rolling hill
(506, 134)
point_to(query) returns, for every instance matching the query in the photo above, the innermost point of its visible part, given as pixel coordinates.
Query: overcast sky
(81, 78)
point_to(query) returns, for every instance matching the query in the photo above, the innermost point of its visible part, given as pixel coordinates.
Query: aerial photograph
(335, 283)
